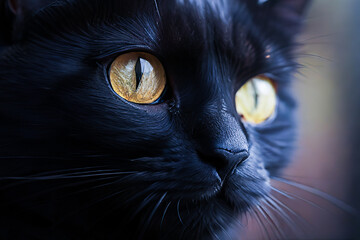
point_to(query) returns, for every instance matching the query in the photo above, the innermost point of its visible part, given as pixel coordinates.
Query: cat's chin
(216, 212)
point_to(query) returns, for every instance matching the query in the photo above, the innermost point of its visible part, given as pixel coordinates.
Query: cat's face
(186, 164)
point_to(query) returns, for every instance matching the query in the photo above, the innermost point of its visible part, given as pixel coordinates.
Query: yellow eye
(256, 99)
(138, 77)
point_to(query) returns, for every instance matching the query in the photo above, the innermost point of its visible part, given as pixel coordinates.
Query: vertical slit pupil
(256, 96)
(138, 72)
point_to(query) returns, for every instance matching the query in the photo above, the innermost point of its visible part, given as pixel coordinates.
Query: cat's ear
(14, 15)
(286, 14)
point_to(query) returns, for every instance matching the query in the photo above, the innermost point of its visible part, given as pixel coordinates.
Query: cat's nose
(224, 160)
(221, 141)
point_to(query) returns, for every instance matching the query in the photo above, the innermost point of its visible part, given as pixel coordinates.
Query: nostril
(233, 159)
(212, 159)
(225, 161)
(231, 151)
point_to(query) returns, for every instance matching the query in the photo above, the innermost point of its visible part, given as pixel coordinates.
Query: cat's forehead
(221, 8)
(166, 27)
(224, 11)
(212, 20)
(225, 23)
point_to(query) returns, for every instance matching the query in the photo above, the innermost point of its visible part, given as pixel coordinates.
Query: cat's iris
(256, 99)
(138, 77)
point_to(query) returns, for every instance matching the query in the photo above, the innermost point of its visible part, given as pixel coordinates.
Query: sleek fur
(79, 162)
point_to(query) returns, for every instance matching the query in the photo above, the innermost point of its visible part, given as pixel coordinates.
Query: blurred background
(328, 90)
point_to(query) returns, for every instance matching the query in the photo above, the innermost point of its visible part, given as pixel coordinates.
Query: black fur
(79, 162)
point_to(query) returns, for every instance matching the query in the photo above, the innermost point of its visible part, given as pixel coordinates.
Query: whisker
(157, 9)
(215, 235)
(260, 223)
(305, 41)
(45, 176)
(281, 192)
(294, 196)
(155, 208)
(270, 220)
(274, 218)
(149, 219)
(245, 215)
(340, 204)
(178, 211)
(46, 157)
(315, 56)
(26, 180)
(266, 219)
(298, 217)
(34, 195)
(71, 171)
(144, 203)
(163, 216)
(65, 176)
(279, 208)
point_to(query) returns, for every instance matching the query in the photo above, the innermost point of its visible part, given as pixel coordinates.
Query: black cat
(142, 119)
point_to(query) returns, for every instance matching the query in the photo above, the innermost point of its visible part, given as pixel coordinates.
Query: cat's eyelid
(112, 54)
(275, 78)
